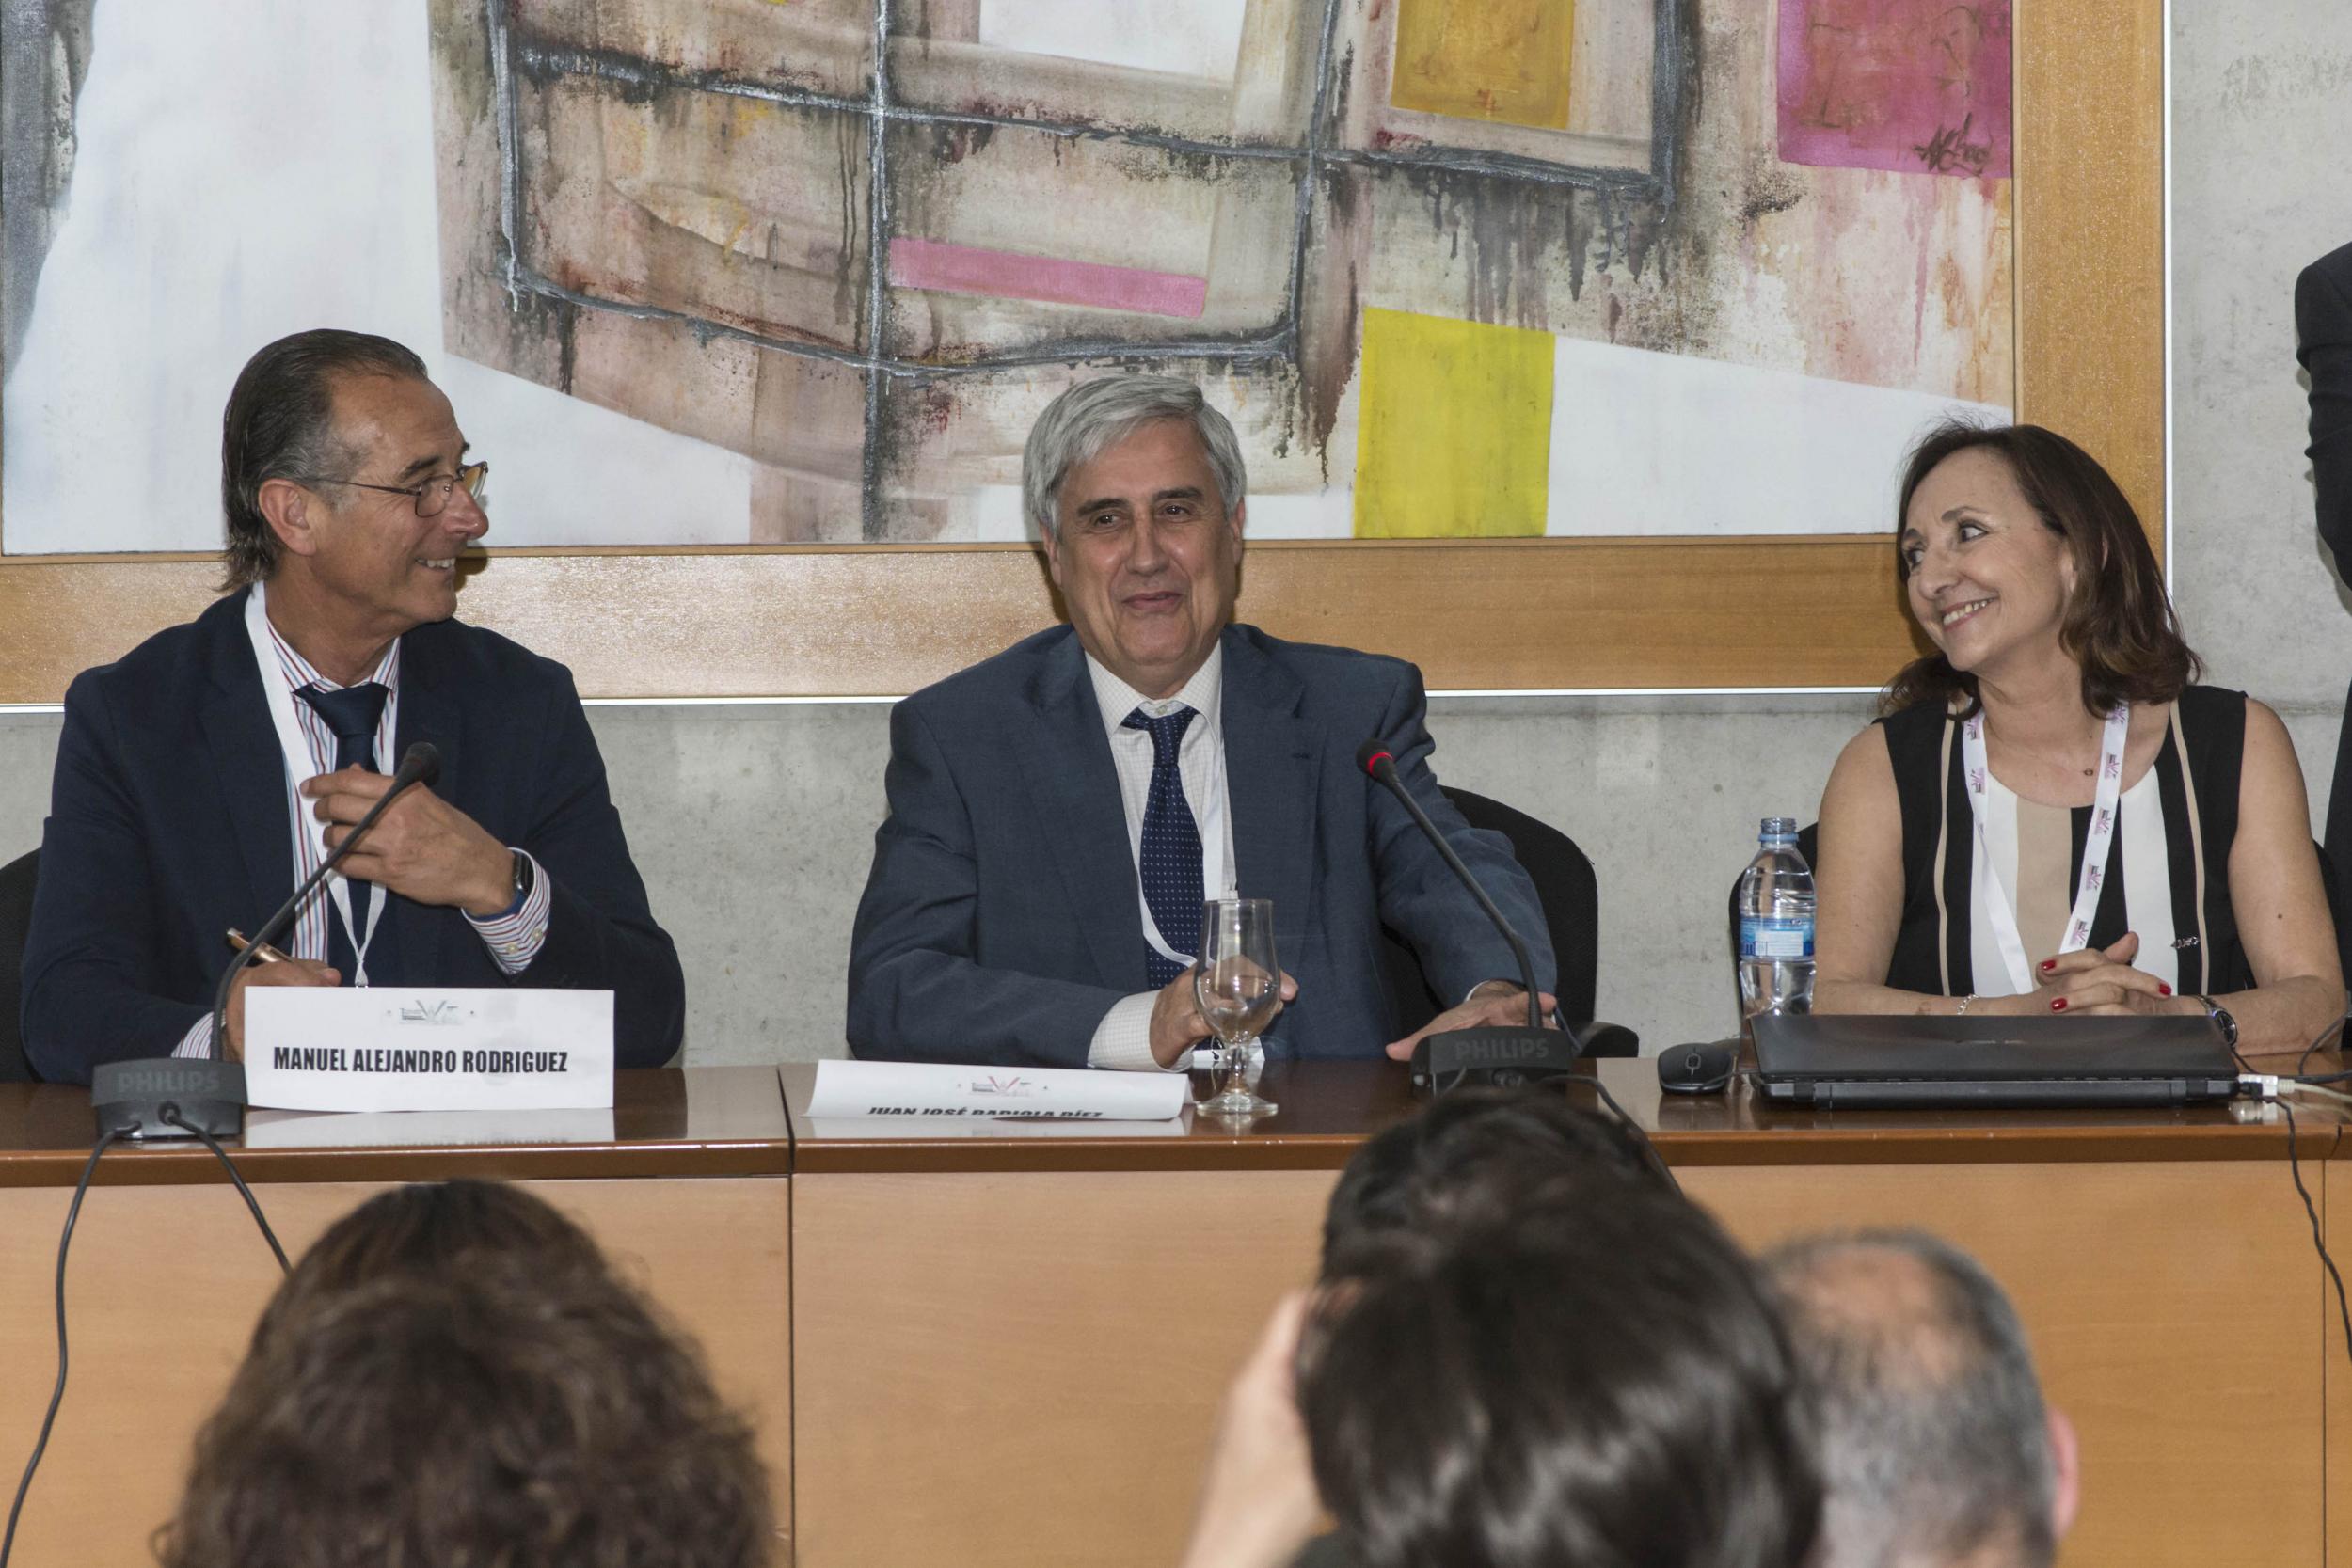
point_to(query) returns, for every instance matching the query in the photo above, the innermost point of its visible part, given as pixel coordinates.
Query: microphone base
(130, 1097)
(1505, 1057)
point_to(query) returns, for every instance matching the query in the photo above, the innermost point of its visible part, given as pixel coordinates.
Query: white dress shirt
(1124, 1038)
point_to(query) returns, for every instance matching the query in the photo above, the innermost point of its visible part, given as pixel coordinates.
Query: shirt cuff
(198, 1041)
(516, 936)
(1122, 1041)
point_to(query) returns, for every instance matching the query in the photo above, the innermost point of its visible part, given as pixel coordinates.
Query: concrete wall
(753, 823)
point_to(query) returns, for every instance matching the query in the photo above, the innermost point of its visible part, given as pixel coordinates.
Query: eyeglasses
(432, 497)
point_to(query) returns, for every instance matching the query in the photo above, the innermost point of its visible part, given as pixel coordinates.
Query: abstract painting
(804, 271)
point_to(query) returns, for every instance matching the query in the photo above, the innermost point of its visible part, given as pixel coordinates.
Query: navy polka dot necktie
(352, 714)
(1169, 867)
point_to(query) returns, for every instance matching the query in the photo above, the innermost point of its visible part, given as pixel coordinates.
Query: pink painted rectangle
(1921, 86)
(965, 269)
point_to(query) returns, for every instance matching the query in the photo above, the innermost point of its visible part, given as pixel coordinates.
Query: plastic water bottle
(1775, 903)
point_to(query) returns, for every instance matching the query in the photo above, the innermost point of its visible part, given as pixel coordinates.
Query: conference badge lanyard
(296, 752)
(2000, 908)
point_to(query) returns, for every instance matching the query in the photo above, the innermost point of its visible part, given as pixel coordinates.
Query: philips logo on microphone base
(161, 1080)
(1469, 1051)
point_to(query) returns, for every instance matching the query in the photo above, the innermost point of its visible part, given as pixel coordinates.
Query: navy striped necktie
(1169, 866)
(352, 714)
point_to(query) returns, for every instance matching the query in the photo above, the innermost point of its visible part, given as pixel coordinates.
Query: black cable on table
(57, 1395)
(171, 1118)
(2319, 1240)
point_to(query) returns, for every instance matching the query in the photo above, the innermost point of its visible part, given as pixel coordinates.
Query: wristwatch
(2220, 1015)
(524, 878)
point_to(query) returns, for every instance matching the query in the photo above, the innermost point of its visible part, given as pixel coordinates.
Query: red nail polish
(2163, 989)
(2059, 1005)
(2048, 964)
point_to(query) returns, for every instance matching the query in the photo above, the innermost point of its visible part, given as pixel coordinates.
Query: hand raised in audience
(1258, 1500)
(1492, 1003)
(422, 849)
(284, 971)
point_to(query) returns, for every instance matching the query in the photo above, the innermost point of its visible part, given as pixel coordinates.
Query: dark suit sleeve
(917, 991)
(1420, 898)
(601, 933)
(2323, 325)
(94, 989)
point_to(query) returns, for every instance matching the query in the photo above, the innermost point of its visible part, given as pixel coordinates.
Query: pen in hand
(263, 954)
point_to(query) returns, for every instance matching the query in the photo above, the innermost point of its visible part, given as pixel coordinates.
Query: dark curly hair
(520, 1410)
(2119, 624)
(429, 1228)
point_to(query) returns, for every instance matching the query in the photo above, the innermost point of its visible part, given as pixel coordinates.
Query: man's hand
(424, 848)
(286, 972)
(1491, 1003)
(1177, 1025)
(1258, 1502)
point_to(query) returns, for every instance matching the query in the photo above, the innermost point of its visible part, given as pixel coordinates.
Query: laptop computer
(1878, 1062)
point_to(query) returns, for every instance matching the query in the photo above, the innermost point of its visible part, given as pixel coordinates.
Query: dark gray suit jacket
(1000, 921)
(2323, 329)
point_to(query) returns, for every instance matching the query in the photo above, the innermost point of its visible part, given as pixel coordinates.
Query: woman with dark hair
(429, 1228)
(2051, 817)
(451, 1375)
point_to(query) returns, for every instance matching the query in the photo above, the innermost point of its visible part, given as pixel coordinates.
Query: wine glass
(1238, 989)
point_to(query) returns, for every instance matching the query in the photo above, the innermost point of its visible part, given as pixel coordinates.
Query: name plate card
(396, 1048)
(942, 1093)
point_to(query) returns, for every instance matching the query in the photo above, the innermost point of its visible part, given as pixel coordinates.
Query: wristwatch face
(2220, 1015)
(523, 874)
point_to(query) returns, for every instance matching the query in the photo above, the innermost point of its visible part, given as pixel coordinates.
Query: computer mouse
(1698, 1068)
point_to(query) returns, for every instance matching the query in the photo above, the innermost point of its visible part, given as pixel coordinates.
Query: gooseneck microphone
(207, 1095)
(419, 764)
(1503, 1055)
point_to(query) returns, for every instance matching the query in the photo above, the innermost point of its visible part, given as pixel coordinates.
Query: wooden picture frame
(1532, 614)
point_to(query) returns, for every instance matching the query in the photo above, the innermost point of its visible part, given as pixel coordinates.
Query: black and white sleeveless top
(2167, 873)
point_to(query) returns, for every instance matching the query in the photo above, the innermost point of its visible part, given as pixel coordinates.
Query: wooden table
(1008, 1347)
(687, 1189)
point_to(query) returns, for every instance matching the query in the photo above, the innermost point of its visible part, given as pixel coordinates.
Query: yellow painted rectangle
(1484, 60)
(1455, 439)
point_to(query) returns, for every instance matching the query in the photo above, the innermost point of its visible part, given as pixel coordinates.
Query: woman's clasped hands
(2098, 982)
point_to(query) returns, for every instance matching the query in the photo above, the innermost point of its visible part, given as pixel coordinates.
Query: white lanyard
(295, 755)
(1998, 906)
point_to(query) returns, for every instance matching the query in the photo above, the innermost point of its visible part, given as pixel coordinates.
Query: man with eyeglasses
(203, 776)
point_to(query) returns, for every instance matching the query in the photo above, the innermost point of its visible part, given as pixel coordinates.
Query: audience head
(280, 423)
(1473, 1147)
(1934, 1444)
(2040, 513)
(1135, 486)
(1588, 1376)
(435, 1229)
(453, 1377)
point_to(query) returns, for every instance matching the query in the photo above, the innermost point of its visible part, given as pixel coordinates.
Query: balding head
(1936, 1448)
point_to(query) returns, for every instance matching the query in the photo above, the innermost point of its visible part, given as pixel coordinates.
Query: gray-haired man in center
(1058, 812)
(1936, 1448)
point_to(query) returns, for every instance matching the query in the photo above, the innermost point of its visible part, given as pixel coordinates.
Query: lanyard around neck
(1999, 908)
(295, 751)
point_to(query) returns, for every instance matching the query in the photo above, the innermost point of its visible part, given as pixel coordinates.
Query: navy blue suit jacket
(1000, 921)
(168, 825)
